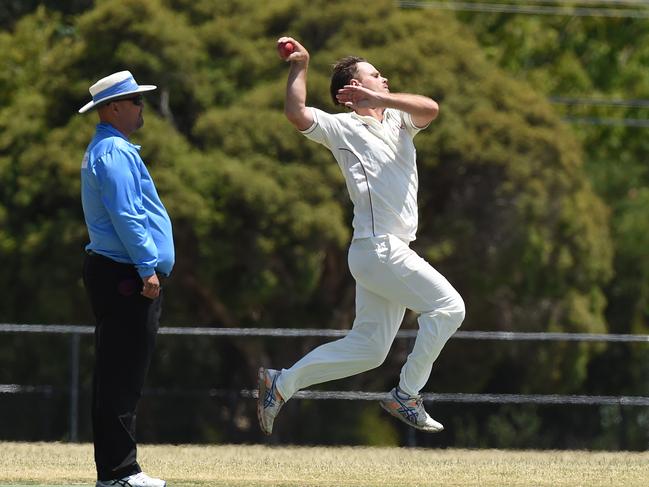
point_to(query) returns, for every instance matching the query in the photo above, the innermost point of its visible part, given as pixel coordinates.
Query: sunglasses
(137, 100)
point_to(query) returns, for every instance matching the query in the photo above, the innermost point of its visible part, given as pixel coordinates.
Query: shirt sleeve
(325, 130)
(121, 194)
(408, 123)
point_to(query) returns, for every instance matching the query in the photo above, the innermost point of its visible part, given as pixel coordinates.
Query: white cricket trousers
(390, 277)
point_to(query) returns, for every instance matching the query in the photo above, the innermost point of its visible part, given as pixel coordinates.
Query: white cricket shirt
(379, 163)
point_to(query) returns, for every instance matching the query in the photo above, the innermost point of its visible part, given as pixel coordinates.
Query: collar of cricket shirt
(379, 129)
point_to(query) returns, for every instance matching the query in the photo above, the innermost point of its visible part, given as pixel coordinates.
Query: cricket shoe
(136, 480)
(269, 401)
(410, 410)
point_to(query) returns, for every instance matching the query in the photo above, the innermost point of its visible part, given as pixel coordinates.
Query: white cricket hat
(114, 86)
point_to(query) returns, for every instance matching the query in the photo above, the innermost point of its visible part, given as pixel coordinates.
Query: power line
(621, 122)
(574, 3)
(529, 9)
(602, 102)
(612, 102)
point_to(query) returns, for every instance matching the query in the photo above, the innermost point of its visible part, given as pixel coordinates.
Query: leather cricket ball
(285, 49)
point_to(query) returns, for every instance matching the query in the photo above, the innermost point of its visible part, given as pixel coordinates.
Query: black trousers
(126, 327)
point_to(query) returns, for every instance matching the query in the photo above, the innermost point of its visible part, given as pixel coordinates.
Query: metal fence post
(75, 340)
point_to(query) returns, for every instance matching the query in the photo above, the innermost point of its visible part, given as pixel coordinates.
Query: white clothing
(390, 277)
(379, 163)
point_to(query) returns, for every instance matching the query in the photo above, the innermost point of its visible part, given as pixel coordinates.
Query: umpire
(131, 248)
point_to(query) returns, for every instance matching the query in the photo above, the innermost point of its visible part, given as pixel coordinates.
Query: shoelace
(121, 483)
(126, 482)
(409, 410)
(269, 398)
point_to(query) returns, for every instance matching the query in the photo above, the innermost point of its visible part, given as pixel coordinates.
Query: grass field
(48, 464)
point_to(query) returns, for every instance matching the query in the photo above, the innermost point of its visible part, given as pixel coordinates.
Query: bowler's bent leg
(400, 275)
(435, 328)
(441, 312)
(364, 348)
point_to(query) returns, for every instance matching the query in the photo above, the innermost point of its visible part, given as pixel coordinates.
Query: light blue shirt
(126, 220)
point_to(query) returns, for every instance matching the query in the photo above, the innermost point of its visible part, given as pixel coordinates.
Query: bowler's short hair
(343, 72)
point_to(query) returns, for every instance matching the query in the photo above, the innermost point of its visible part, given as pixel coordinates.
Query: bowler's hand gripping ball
(285, 49)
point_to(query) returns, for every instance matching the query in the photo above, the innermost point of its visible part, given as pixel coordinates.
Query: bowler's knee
(370, 347)
(455, 310)
(374, 355)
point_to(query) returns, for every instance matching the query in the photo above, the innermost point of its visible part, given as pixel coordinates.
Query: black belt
(92, 253)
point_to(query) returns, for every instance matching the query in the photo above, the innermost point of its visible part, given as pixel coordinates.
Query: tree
(261, 216)
(601, 59)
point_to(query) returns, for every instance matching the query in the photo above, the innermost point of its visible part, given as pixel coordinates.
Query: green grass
(49, 464)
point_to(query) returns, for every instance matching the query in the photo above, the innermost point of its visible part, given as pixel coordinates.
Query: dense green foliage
(261, 216)
(603, 60)
(599, 59)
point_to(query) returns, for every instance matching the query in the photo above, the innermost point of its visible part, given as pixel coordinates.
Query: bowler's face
(369, 77)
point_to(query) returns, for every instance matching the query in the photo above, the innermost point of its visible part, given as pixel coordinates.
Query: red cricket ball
(285, 49)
